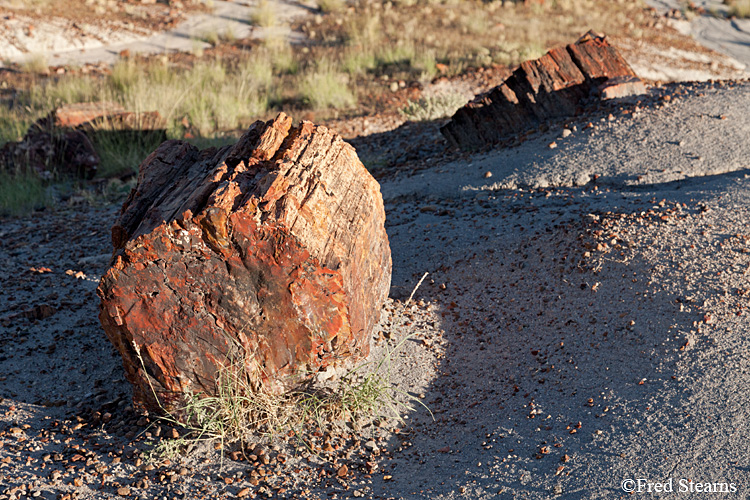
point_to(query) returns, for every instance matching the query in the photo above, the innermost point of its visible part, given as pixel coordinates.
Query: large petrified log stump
(551, 87)
(270, 255)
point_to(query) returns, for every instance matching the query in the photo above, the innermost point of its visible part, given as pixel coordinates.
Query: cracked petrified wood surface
(554, 86)
(269, 255)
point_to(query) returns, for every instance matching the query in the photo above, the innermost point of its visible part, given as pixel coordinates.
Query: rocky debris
(269, 255)
(557, 85)
(62, 143)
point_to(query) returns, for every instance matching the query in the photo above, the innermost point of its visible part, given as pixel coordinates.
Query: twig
(415, 290)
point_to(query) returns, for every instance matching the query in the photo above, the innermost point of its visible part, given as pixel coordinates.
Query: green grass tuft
(323, 86)
(21, 193)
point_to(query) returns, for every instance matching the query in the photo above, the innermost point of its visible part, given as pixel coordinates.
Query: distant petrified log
(552, 87)
(270, 255)
(48, 154)
(62, 143)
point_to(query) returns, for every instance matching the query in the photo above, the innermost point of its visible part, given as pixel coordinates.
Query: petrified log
(102, 115)
(62, 143)
(269, 255)
(551, 87)
(48, 154)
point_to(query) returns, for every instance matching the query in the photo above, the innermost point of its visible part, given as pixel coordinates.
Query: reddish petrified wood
(551, 87)
(101, 115)
(270, 255)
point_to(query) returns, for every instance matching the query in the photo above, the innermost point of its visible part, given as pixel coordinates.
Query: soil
(571, 335)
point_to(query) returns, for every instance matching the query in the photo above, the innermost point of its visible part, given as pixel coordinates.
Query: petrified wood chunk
(270, 255)
(551, 87)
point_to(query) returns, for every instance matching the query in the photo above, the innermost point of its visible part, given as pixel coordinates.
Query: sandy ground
(567, 339)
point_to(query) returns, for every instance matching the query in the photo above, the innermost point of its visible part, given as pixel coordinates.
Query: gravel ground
(567, 339)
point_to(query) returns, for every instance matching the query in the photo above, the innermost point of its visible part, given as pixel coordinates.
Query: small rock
(487, 174)
(343, 471)
(566, 132)
(552, 145)
(124, 491)
(243, 492)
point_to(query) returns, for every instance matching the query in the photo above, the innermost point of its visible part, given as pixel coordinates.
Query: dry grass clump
(35, 64)
(324, 87)
(433, 107)
(329, 6)
(240, 413)
(739, 8)
(264, 14)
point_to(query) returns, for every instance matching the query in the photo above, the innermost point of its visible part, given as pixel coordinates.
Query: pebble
(123, 491)
(343, 471)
